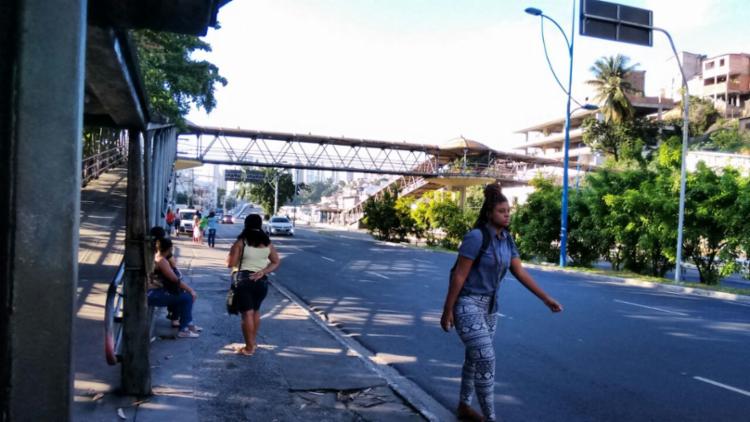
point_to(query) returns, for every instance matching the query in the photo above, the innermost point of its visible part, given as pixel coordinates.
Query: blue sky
(428, 70)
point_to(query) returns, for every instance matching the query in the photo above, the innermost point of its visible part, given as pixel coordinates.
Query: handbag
(231, 300)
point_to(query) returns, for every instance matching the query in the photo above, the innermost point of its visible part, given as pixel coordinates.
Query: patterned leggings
(476, 327)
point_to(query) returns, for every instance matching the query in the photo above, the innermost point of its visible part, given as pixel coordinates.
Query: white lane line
(377, 275)
(728, 387)
(651, 307)
(328, 259)
(422, 261)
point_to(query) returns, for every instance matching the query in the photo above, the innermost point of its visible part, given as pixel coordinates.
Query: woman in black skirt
(251, 258)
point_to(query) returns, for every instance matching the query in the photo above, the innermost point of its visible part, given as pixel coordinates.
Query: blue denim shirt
(486, 277)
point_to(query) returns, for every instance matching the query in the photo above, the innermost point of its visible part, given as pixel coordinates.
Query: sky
(427, 71)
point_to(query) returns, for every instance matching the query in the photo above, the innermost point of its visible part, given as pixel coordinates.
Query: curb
(670, 288)
(417, 398)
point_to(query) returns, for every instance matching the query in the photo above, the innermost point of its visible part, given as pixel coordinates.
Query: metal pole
(276, 194)
(566, 149)
(683, 169)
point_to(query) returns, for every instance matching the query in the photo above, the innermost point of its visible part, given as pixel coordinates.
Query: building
(725, 79)
(547, 139)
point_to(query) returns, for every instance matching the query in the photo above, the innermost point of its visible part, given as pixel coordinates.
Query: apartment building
(725, 79)
(547, 139)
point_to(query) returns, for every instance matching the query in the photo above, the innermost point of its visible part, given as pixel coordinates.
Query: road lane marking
(422, 261)
(728, 387)
(377, 275)
(651, 307)
(328, 259)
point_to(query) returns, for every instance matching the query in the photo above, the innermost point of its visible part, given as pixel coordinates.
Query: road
(617, 353)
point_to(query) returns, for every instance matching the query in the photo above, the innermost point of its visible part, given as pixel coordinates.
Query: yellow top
(254, 259)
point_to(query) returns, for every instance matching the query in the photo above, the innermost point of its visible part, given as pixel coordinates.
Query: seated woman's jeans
(182, 303)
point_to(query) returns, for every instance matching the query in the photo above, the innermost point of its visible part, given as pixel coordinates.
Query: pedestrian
(197, 232)
(471, 302)
(170, 220)
(212, 225)
(203, 225)
(252, 257)
(166, 289)
(177, 222)
(157, 233)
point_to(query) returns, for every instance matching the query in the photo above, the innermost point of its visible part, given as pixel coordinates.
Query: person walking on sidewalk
(212, 224)
(166, 289)
(177, 223)
(252, 257)
(170, 220)
(484, 257)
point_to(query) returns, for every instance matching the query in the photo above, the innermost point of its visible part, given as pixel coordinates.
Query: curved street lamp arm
(567, 41)
(551, 68)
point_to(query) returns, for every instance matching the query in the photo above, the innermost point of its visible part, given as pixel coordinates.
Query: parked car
(279, 225)
(227, 219)
(186, 220)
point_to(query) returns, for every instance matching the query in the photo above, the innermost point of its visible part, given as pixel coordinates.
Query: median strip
(724, 386)
(651, 307)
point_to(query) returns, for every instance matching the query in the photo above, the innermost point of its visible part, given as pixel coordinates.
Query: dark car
(227, 219)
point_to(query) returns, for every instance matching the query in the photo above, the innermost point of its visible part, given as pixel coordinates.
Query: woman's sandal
(466, 413)
(244, 351)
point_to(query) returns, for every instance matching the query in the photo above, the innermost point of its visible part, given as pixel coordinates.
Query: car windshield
(279, 220)
(186, 215)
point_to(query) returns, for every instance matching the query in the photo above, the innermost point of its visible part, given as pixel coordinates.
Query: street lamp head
(590, 107)
(533, 11)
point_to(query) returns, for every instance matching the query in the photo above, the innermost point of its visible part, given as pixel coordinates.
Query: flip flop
(244, 352)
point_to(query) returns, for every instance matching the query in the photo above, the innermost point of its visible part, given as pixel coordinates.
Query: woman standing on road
(471, 302)
(251, 258)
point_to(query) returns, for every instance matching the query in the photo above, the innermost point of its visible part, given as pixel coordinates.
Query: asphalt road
(617, 353)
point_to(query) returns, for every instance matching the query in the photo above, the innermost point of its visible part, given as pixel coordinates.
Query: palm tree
(611, 87)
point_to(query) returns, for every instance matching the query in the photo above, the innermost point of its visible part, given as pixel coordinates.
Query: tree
(536, 223)
(181, 198)
(625, 140)
(172, 78)
(714, 226)
(612, 87)
(264, 193)
(381, 217)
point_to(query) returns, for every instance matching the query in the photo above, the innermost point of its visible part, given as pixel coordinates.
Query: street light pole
(566, 146)
(566, 151)
(683, 169)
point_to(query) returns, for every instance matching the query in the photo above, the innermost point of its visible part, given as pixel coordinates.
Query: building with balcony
(547, 139)
(725, 79)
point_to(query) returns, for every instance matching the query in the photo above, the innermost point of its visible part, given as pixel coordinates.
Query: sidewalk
(300, 372)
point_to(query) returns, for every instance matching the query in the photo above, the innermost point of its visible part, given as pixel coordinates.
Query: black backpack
(486, 238)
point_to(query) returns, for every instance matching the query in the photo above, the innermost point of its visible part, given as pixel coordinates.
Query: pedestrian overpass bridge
(422, 167)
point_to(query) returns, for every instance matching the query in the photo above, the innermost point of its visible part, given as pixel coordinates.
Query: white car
(186, 220)
(279, 225)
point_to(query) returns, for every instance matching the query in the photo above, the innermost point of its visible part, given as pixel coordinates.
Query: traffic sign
(616, 22)
(249, 176)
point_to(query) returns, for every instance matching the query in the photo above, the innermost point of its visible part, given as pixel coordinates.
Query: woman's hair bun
(492, 191)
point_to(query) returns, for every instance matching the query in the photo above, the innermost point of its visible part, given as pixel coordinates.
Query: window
(279, 220)
(721, 62)
(709, 65)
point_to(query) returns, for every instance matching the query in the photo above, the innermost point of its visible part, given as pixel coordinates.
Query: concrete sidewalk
(300, 372)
